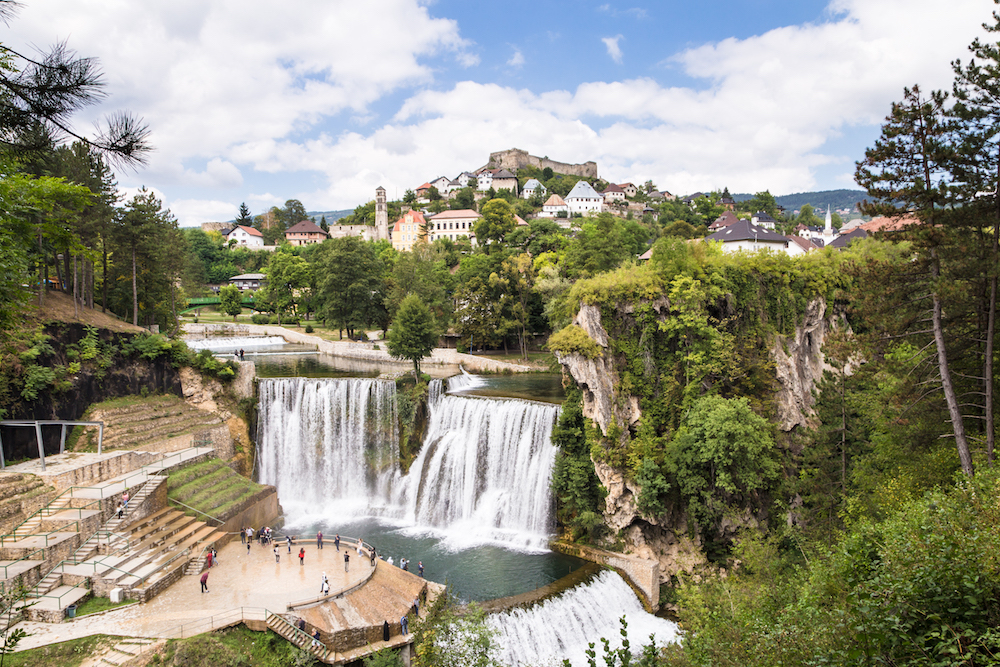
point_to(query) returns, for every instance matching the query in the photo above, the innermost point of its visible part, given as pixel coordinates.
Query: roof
(503, 173)
(521, 222)
(305, 227)
(583, 190)
(884, 224)
(847, 239)
(762, 216)
(802, 242)
(555, 200)
(249, 230)
(691, 198)
(249, 276)
(726, 219)
(612, 188)
(532, 183)
(416, 218)
(646, 255)
(425, 186)
(452, 215)
(744, 230)
(626, 185)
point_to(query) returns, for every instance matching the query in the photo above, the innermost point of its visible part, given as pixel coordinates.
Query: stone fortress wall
(515, 158)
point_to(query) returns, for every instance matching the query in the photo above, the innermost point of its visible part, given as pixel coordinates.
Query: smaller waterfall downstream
(563, 626)
(235, 343)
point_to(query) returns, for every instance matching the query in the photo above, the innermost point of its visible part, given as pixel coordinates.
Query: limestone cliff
(798, 367)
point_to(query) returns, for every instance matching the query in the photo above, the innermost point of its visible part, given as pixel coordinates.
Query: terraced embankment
(155, 423)
(21, 495)
(212, 491)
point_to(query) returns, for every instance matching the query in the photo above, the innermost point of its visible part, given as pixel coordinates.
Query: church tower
(381, 215)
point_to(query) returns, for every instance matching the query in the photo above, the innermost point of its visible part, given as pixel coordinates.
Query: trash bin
(71, 611)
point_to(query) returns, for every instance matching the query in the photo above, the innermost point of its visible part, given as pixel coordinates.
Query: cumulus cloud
(615, 51)
(516, 60)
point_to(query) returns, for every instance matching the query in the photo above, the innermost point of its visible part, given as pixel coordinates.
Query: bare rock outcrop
(201, 392)
(799, 366)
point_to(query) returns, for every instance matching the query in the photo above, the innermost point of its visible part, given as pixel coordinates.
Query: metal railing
(194, 509)
(279, 624)
(215, 622)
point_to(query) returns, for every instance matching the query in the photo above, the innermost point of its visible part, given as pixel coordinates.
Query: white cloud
(516, 60)
(193, 212)
(615, 51)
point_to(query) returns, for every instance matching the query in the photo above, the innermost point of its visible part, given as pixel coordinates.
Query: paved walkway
(238, 581)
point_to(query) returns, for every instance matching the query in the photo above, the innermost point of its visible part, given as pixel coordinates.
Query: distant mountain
(818, 200)
(330, 215)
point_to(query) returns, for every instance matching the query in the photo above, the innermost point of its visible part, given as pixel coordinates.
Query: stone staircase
(127, 649)
(299, 638)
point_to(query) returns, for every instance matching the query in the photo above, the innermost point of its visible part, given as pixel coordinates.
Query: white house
(452, 224)
(498, 179)
(583, 199)
(552, 206)
(743, 235)
(762, 219)
(629, 189)
(613, 193)
(441, 183)
(531, 187)
(245, 236)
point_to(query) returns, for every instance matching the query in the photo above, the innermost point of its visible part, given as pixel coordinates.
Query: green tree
(351, 286)
(464, 199)
(244, 218)
(424, 272)
(39, 95)
(414, 333)
(287, 276)
(409, 197)
(723, 456)
(496, 222)
(292, 213)
(230, 299)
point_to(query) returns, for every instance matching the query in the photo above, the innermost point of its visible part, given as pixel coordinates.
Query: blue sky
(323, 100)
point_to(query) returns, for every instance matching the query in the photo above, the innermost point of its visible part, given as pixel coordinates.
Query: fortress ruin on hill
(515, 158)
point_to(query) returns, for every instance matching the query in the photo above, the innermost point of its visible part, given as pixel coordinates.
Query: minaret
(381, 215)
(828, 229)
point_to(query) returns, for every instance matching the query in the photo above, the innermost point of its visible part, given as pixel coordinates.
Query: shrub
(573, 339)
(309, 328)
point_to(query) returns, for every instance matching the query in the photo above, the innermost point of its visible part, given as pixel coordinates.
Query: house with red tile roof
(246, 237)
(305, 233)
(409, 230)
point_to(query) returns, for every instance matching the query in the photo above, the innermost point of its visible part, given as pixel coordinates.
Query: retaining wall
(355, 350)
(642, 574)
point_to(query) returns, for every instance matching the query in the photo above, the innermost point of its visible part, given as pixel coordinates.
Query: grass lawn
(93, 605)
(63, 654)
(237, 647)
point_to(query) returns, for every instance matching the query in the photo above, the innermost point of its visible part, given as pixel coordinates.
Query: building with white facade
(553, 206)
(245, 236)
(583, 199)
(452, 224)
(531, 187)
(613, 193)
(744, 235)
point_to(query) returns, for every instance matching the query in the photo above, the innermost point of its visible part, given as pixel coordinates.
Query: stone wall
(260, 510)
(242, 384)
(116, 463)
(642, 574)
(515, 158)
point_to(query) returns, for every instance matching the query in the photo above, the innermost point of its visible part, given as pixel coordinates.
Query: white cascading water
(329, 443)
(235, 343)
(482, 475)
(561, 627)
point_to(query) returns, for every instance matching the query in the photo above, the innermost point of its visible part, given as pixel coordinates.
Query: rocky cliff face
(799, 366)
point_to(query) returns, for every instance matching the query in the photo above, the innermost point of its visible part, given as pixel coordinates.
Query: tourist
(316, 642)
(347, 560)
(361, 544)
(288, 541)
(301, 623)
(215, 556)
(322, 582)
(373, 557)
(404, 626)
(243, 535)
(249, 534)
(121, 509)
(125, 498)
(416, 606)
(389, 560)
(385, 631)
(336, 541)
(406, 565)
(302, 555)
(208, 560)
(319, 540)
(204, 582)
(325, 590)
(420, 567)
(248, 547)
(241, 354)
(277, 555)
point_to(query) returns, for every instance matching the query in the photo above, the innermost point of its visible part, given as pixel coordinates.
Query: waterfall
(483, 473)
(328, 444)
(562, 627)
